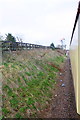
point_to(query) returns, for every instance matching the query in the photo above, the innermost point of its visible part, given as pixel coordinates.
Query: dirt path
(63, 103)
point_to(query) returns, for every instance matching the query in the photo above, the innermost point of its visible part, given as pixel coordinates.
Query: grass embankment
(28, 81)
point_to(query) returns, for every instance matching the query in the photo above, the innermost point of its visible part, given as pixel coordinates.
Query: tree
(10, 37)
(52, 46)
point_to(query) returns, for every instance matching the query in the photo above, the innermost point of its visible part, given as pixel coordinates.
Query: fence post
(0, 79)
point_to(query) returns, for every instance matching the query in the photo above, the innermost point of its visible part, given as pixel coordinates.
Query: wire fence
(13, 46)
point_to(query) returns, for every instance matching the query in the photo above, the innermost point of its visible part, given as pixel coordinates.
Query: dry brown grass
(28, 81)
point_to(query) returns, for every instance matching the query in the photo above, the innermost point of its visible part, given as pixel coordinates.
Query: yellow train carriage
(75, 58)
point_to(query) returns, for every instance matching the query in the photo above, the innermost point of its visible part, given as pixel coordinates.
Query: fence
(13, 46)
(75, 58)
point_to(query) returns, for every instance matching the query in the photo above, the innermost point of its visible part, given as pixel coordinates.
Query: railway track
(63, 102)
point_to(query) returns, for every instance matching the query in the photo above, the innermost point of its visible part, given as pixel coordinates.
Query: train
(75, 57)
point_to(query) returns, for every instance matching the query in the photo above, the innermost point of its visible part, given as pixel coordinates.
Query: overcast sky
(38, 21)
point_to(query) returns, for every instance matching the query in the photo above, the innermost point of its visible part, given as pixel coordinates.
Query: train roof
(77, 16)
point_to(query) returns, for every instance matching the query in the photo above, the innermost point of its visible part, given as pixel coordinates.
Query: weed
(30, 101)
(38, 78)
(24, 78)
(29, 74)
(22, 109)
(6, 64)
(18, 115)
(14, 102)
(5, 111)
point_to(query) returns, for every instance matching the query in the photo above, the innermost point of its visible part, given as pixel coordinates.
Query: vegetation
(28, 82)
(10, 38)
(52, 46)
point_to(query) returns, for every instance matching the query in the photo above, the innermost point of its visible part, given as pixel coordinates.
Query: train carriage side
(75, 58)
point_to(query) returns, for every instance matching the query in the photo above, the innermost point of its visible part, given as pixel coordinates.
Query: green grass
(28, 85)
